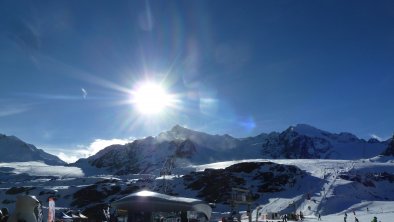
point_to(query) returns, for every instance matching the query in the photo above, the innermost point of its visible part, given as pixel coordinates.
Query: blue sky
(237, 67)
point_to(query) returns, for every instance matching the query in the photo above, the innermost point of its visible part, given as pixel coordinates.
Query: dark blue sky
(238, 67)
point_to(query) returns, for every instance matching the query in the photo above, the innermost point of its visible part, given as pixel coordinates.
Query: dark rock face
(370, 179)
(390, 148)
(119, 159)
(215, 185)
(304, 147)
(186, 149)
(292, 145)
(140, 156)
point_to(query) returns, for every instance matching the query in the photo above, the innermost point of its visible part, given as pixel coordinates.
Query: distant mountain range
(12, 149)
(300, 170)
(182, 146)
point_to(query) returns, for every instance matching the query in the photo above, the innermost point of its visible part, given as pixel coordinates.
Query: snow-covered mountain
(306, 142)
(192, 147)
(12, 149)
(141, 156)
(389, 151)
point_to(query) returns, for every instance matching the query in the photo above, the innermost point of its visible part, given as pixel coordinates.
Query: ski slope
(333, 196)
(328, 188)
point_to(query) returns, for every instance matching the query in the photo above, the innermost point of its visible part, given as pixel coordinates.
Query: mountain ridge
(13, 149)
(301, 141)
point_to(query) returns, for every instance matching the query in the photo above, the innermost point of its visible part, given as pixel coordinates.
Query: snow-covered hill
(328, 187)
(192, 147)
(12, 149)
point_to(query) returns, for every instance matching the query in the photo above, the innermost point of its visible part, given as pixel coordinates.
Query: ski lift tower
(166, 170)
(241, 197)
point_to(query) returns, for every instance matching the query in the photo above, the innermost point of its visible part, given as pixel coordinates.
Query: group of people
(284, 218)
(375, 219)
(301, 216)
(355, 218)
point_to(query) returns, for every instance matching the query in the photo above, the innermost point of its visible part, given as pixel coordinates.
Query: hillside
(12, 149)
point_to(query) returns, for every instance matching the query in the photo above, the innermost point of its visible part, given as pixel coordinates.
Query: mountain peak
(177, 132)
(178, 128)
(306, 129)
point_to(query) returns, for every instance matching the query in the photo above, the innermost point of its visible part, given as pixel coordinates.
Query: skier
(319, 217)
(356, 219)
(374, 219)
(345, 217)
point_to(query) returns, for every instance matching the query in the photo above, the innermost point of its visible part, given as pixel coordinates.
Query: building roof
(149, 201)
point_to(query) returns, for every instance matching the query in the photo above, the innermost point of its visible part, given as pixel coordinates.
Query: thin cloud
(84, 93)
(41, 169)
(72, 155)
(67, 157)
(100, 144)
(9, 110)
(65, 97)
(49, 96)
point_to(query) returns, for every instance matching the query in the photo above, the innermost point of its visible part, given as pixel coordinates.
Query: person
(319, 217)
(374, 219)
(345, 217)
(356, 219)
(106, 214)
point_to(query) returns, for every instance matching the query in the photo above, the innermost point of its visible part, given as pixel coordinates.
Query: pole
(250, 213)
(257, 213)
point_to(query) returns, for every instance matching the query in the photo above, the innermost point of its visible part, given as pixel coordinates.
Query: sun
(151, 98)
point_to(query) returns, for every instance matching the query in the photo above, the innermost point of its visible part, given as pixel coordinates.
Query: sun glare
(151, 98)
